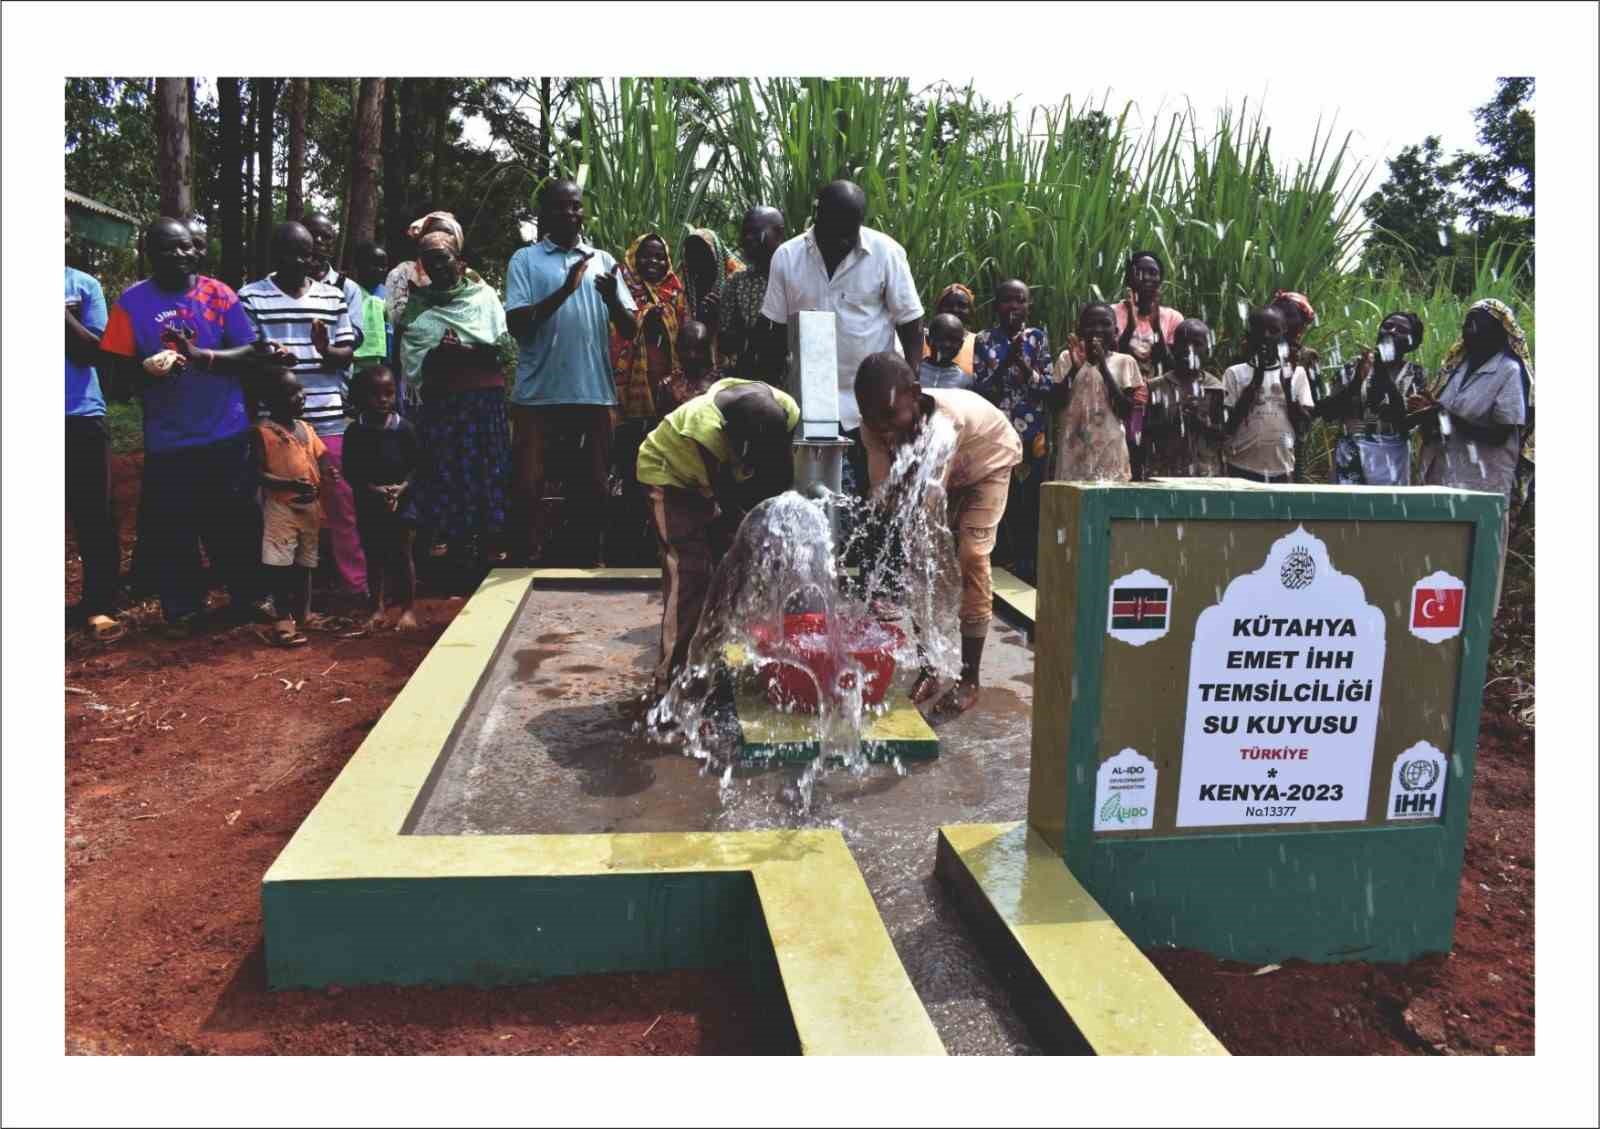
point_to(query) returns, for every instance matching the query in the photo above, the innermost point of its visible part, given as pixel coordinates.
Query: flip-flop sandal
(332, 624)
(924, 688)
(104, 629)
(288, 635)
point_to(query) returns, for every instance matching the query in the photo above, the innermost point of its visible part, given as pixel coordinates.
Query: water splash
(785, 560)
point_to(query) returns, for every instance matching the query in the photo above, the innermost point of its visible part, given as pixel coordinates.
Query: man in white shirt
(1269, 405)
(859, 275)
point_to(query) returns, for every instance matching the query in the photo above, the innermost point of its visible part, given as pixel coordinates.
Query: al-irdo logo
(1112, 811)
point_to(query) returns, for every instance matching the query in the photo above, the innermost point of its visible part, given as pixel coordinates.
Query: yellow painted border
(1016, 595)
(1116, 999)
(846, 987)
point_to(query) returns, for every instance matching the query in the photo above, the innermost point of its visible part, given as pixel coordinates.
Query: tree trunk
(342, 218)
(441, 120)
(197, 194)
(266, 118)
(172, 147)
(394, 217)
(544, 125)
(230, 184)
(294, 185)
(247, 234)
(365, 143)
(407, 160)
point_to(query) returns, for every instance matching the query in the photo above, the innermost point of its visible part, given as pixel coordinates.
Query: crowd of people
(371, 414)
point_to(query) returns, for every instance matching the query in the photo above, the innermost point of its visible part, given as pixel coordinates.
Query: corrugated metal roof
(98, 208)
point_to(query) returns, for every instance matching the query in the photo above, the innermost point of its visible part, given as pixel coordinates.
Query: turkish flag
(1437, 607)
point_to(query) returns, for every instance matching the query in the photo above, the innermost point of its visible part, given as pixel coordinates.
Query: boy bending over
(703, 468)
(894, 410)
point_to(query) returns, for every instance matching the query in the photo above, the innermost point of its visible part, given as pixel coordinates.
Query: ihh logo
(1416, 785)
(1416, 804)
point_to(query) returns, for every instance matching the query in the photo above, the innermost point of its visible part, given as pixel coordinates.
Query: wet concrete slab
(550, 746)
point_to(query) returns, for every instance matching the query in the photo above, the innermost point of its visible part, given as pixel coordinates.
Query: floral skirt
(465, 476)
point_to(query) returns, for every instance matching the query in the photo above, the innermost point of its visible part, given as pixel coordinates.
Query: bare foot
(375, 622)
(407, 621)
(961, 698)
(926, 686)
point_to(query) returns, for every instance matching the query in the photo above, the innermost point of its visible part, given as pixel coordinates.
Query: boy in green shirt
(372, 265)
(703, 468)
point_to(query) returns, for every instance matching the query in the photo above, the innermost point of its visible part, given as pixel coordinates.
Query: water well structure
(497, 825)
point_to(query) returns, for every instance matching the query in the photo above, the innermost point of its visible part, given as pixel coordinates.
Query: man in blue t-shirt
(184, 341)
(89, 459)
(561, 294)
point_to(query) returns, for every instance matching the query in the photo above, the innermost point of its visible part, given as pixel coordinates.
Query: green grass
(126, 420)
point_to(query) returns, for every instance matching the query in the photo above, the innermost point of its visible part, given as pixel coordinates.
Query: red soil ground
(190, 763)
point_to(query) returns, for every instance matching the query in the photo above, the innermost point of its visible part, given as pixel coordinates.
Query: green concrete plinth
(1142, 591)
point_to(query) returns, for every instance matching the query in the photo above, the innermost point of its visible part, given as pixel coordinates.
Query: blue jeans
(202, 495)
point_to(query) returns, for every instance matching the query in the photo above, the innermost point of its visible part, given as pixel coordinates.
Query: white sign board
(1125, 793)
(1284, 680)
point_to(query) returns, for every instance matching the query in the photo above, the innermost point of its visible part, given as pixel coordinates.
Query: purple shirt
(188, 407)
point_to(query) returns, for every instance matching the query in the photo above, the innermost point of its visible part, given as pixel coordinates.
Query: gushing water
(784, 561)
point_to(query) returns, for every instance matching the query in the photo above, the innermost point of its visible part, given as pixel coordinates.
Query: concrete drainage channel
(503, 822)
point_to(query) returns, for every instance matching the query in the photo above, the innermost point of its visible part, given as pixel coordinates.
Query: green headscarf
(726, 265)
(470, 307)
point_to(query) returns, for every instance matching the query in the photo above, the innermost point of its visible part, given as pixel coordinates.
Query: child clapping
(1096, 395)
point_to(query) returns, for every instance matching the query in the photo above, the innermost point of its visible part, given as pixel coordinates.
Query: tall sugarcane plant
(1059, 197)
(648, 165)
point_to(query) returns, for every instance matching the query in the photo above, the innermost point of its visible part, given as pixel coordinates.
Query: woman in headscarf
(956, 300)
(644, 364)
(397, 287)
(1473, 425)
(643, 369)
(707, 264)
(453, 347)
(1370, 404)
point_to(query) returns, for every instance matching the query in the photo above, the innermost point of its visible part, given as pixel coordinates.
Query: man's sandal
(288, 637)
(104, 629)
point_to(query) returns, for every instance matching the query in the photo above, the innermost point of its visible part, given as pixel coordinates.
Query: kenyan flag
(1139, 608)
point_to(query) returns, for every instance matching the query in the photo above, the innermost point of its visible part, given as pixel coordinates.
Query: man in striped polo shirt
(325, 239)
(310, 321)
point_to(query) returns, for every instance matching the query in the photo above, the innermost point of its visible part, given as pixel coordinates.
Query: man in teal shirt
(89, 458)
(558, 306)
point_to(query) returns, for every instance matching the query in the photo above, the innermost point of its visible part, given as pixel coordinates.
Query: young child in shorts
(293, 463)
